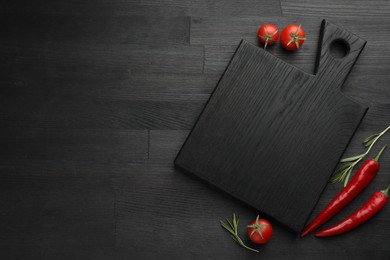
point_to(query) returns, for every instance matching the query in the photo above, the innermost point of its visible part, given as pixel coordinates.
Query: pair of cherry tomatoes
(292, 36)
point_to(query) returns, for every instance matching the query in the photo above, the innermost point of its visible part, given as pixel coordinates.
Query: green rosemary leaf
(230, 223)
(235, 225)
(370, 139)
(235, 239)
(353, 158)
(225, 226)
(348, 173)
(334, 180)
(342, 168)
(239, 240)
(232, 228)
(369, 142)
(340, 175)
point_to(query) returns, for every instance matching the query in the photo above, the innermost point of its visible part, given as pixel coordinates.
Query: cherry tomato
(292, 37)
(259, 231)
(268, 34)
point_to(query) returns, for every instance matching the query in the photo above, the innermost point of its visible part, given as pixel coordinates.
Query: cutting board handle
(337, 68)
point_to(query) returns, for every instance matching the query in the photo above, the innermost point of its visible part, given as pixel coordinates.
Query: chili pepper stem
(380, 153)
(386, 191)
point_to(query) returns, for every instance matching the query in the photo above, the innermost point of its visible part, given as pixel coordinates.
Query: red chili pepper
(359, 182)
(367, 211)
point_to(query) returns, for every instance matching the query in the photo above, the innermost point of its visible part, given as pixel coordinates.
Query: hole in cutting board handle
(339, 48)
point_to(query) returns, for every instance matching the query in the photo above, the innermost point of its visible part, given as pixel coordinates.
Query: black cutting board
(272, 134)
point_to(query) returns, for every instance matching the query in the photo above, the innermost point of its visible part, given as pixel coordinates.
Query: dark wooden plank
(70, 109)
(59, 54)
(80, 217)
(160, 87)
(73, 144)
(266, 115)
(52, 58)
(148, 7)
(357, 9)
(165, 144)
(22, 110)
(21, 224)
(30, 251)
(39, 61)
(79, 252)
(87, 145)
(56, 219)
(98, 58)
(22, 143)
(170, 205)
(170, 101)
(47, 206)
(54, 175)
(104, 114)
(89, 29)
(365, 26)
(125, 87)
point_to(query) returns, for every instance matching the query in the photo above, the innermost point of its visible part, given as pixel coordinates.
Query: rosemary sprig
(232, 228)
(343, 173)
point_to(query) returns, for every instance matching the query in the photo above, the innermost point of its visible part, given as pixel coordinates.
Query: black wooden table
(97, 97)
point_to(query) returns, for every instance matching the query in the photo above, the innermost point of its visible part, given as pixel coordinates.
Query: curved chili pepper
(367, 211)
(359, 182)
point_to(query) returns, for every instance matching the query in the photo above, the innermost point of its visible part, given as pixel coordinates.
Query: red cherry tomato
(292, 37)
(259, 231)
(268, 34)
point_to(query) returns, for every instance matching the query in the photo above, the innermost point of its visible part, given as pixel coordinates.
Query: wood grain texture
(98, 58)
(165, 144)
(90, 29)
(352, 8)
(168, 184)
(73, 144)
(86, 193)
(114, 114)
(78, 72)
(47, 206)
(149, 7)
(256, 137)
(161, 87)
(128, 87)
